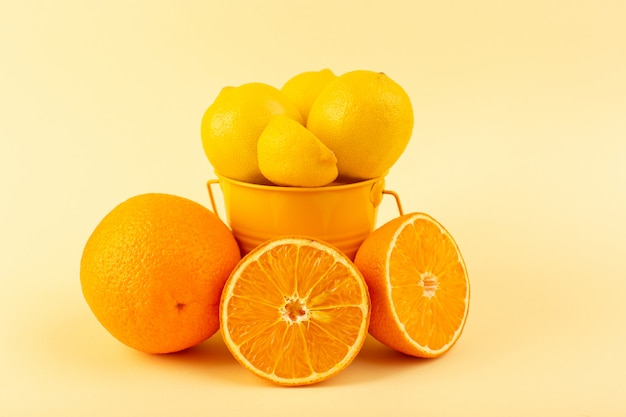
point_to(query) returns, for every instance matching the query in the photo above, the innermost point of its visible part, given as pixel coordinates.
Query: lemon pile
(316, 129)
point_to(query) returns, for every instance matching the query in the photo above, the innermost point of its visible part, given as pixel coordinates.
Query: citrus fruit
(153, 269)
(366, 119)
(295, 311)
(232, 124)
(304, 88)
(418, 285)
(291, 155)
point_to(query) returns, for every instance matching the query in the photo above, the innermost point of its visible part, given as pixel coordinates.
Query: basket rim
(274, 188)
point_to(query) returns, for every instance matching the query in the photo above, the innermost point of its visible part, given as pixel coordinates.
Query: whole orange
(153, 271)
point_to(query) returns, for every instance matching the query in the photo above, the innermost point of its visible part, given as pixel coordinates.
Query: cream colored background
(519, 150)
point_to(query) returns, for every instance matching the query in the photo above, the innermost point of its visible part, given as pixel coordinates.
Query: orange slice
(295, 311)
(418, 285)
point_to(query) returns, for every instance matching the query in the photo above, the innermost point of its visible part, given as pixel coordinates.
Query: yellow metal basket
(340, 214)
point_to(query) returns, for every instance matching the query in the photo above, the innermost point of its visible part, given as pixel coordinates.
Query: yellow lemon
(232, 124)
(291, 155)
(304, 88)
(366, 118)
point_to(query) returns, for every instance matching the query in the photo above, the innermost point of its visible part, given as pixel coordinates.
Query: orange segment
(418, 285)
(295, 311)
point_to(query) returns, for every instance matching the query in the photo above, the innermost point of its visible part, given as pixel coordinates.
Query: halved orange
(295, 311)
(418, 285)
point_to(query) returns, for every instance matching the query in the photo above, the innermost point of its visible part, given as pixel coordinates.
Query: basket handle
(397, 198)
(209, 186)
